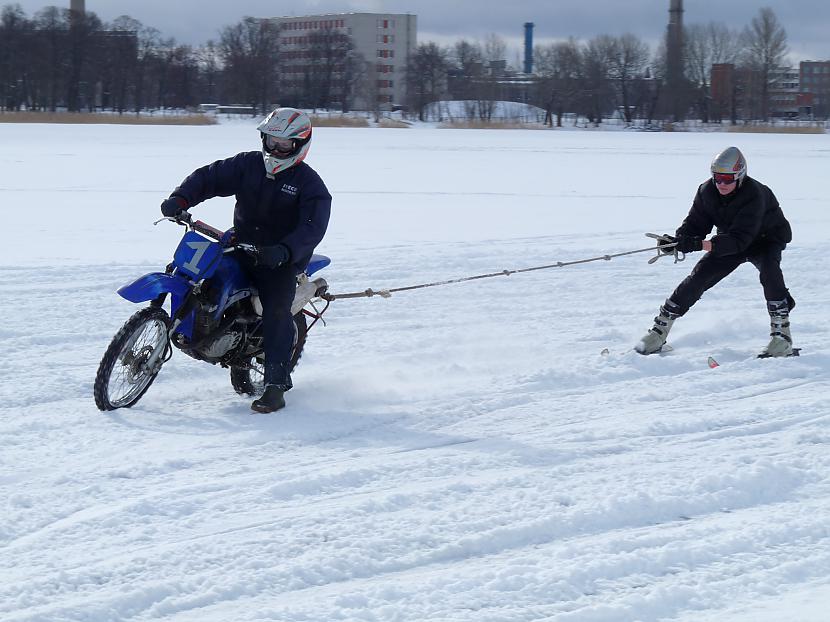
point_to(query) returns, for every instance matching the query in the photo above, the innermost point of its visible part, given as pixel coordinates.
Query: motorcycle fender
(151, 286)
(306, 290)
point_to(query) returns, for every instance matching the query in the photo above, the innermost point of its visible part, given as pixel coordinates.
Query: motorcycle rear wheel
(123, 377)
(250, 379)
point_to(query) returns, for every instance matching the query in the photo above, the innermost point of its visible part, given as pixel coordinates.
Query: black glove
(666, 239)
(273, 256)
(173, 206)
(689, 243)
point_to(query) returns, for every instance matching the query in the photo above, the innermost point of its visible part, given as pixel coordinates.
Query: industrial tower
(674, 60)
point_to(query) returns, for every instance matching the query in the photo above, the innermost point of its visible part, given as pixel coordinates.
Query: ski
(664, 350)
(796, 352)
(713, 363)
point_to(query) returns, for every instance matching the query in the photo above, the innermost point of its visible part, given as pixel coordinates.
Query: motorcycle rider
(750, 227)
(282, 208)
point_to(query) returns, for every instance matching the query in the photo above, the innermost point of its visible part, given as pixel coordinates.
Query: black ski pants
(276, 287)
(711, 269)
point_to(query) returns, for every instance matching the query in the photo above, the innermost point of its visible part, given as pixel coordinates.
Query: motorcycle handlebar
(185, 218)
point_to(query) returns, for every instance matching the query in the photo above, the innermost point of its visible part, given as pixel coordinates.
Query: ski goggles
(724, 179)
(274, 144)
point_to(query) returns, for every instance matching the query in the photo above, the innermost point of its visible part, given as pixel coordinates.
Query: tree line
(58, 59)
(613, 75)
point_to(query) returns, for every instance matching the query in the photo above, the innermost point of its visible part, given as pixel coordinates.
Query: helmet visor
(724, 179)
(279, 147)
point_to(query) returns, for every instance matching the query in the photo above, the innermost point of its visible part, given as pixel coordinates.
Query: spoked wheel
(123, 375)
(249, 379)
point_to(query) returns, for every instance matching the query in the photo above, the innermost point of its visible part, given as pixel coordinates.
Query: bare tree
(598, 96)
(766, 45)
(148, 40)
(329, 53)
(209, 60)
(353, 72)
(14, 30)
(559, 67)
(468, 56)
(468, 60)
(48, 67)
(161, 68)
(83, 29)
(250, 52)
(426, 76)
(494, 48)
(487, 92)
(707, 45)
(177, 74)
(120, 62)
(628, 61)
(365, 86)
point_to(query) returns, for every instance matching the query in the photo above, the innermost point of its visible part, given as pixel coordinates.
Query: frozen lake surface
(457, 453)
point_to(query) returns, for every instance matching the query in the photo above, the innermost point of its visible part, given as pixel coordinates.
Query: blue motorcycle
(215, 316)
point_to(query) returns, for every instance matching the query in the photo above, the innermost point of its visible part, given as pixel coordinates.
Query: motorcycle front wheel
(249, 379)
(123, 375)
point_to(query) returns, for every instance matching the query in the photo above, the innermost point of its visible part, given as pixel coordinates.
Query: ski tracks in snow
(431, 475)
(459, 453)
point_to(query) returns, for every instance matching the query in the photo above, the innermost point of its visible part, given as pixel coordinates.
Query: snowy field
(461, 453)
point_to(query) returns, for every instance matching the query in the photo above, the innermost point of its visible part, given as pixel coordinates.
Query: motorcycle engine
(221, 344)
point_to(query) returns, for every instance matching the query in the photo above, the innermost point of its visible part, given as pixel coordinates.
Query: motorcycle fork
(188, 305)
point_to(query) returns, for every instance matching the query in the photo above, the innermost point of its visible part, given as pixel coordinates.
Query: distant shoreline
(82, 118)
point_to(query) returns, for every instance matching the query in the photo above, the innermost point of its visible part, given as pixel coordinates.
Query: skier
(283, 209)
(750, 227)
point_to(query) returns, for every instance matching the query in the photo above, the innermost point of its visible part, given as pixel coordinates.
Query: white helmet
(286, 138)
(730, 161)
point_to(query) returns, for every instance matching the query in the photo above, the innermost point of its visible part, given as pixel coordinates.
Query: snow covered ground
(459, 453)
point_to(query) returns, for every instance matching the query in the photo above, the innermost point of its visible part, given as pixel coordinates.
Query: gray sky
(195, 21)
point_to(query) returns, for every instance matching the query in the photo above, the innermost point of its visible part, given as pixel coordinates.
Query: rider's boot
(781, 341)
(654, 340)
(272, 400)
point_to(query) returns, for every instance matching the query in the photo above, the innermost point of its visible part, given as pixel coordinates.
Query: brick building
(814, 78)
(736, 93)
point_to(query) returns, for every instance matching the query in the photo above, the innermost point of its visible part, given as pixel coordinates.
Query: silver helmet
(730, 161)
(286, 138)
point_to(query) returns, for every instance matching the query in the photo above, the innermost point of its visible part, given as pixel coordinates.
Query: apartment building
(384, 41)
(784, 92)
(814, 77)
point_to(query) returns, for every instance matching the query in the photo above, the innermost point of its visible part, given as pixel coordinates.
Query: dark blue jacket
(292, 208)
(746, 218)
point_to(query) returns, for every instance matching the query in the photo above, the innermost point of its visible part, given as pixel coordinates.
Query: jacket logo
(289, 190)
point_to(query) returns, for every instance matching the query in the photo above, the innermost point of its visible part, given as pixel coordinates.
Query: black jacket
(291, 208)
(748, 217)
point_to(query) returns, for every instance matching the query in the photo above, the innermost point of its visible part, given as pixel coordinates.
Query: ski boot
(271, 401)
(654, 340)
(781, 341)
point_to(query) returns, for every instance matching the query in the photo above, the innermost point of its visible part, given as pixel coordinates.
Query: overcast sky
(196, 21)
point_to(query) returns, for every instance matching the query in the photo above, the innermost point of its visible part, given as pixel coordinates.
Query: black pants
(276, 292)
(711, 269)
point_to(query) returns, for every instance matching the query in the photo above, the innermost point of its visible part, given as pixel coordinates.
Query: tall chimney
(674, 58)
(529, 47)
(77, 6)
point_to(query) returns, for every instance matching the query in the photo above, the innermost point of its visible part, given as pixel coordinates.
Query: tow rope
(386, 293)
